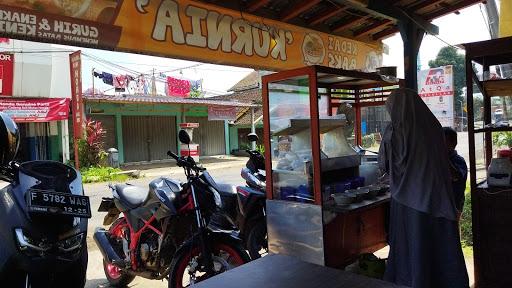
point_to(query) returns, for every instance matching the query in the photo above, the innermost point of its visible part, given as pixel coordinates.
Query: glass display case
(313, 137)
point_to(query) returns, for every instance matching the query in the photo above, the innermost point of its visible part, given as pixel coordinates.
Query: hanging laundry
(146, 87)
(120, 83)
(178, 87)
(196, 84)
(140, 83)
(107, 78)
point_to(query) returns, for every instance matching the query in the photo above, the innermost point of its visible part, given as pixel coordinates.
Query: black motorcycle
(251, 203)
(43, 219)
(166, 232)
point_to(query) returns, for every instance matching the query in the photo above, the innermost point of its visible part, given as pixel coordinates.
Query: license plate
(59, 203)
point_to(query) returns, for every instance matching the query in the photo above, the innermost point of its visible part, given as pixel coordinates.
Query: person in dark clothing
(424, 241)
(458, 169)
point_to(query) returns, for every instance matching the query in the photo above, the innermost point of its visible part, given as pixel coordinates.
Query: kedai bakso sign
(183, 29)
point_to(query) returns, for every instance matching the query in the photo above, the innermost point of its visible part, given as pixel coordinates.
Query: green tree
(449, 56)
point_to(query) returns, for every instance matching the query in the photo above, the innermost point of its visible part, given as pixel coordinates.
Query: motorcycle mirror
(9, 139)
(184, 137)
(252, 137)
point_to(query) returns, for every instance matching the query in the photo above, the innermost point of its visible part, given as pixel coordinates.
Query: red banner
(6, 73)
(221, 113)
(75, 63)
(35, 110)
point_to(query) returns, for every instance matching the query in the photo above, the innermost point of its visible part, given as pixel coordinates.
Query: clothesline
(174, 86)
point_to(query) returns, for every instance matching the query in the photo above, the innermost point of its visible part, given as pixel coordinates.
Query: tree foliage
(449, 56)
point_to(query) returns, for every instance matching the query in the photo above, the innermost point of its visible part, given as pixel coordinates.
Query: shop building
(144, 128)
(35, 92)
(248, 90)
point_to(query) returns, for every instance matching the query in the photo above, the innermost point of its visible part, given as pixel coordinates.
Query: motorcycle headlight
(27, 243)
(216, 195)
(71, 243)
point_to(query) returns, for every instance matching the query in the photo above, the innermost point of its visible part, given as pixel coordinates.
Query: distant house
(247, 90)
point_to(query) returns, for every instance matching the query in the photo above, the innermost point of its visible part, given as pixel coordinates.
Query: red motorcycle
(165, 232)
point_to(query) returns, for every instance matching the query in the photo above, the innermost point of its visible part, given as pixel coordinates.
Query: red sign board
(75, 63)
(6, 73)
(221, 113)
(36, 110)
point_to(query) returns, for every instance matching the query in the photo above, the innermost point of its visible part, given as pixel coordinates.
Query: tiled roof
(166, 100)
(252, 96)
(245, 119)
(250, 81)
(246, 96)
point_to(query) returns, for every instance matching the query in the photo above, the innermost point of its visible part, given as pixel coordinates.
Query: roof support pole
(253, 128)
(412, 35)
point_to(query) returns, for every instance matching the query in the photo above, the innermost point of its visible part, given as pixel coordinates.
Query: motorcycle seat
(132, 196)
(226, 190)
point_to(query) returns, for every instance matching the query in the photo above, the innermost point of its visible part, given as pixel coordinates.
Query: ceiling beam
(403, 15)
(424, 4)
(384, 33)
(362, 5)
(329, 13)
(451, 9)
(372, 27)
(349, 23)
(255, 5)
(297, 9)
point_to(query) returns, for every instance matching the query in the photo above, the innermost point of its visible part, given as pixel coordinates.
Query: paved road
(95, 274)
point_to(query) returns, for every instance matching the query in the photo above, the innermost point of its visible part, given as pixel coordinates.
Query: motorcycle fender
(111, 216)
(232, 235)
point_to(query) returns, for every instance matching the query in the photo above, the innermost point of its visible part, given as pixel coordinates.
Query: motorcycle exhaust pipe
(106, 249)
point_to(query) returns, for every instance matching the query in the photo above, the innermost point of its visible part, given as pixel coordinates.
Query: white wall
(37, 72)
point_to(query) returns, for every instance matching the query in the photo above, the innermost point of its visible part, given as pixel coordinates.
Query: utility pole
(93, 92)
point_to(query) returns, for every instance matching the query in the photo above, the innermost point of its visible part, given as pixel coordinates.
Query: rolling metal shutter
(109, 124)
(209, 136)
(148, 138)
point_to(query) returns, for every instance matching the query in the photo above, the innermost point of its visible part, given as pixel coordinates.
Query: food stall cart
(308, 158)
(491, 190)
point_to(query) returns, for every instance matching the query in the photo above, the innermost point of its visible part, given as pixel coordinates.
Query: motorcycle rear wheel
(257, 243)
(226, 256)
(115, 276)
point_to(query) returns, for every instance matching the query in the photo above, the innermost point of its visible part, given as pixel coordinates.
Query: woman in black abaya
(425, 250)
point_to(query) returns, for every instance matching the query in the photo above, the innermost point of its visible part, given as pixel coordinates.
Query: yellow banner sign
(183, 29)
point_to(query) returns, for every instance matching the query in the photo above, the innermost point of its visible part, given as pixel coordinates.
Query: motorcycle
(43, 219)
(166, 231)
(251, 203)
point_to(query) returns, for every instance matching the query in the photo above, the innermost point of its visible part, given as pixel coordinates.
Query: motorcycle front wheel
(185, 267)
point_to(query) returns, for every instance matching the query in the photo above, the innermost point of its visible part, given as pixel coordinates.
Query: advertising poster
(185, 29)
(36, 110)
(435, 87)
(221, 113)
(6, 73)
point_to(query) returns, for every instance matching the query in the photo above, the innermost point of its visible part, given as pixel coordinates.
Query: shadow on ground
(171, 163)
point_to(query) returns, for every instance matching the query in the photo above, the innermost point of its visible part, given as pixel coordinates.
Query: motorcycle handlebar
(187, 162)
(170, 154)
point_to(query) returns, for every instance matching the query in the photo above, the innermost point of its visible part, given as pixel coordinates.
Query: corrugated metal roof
(165, 100)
